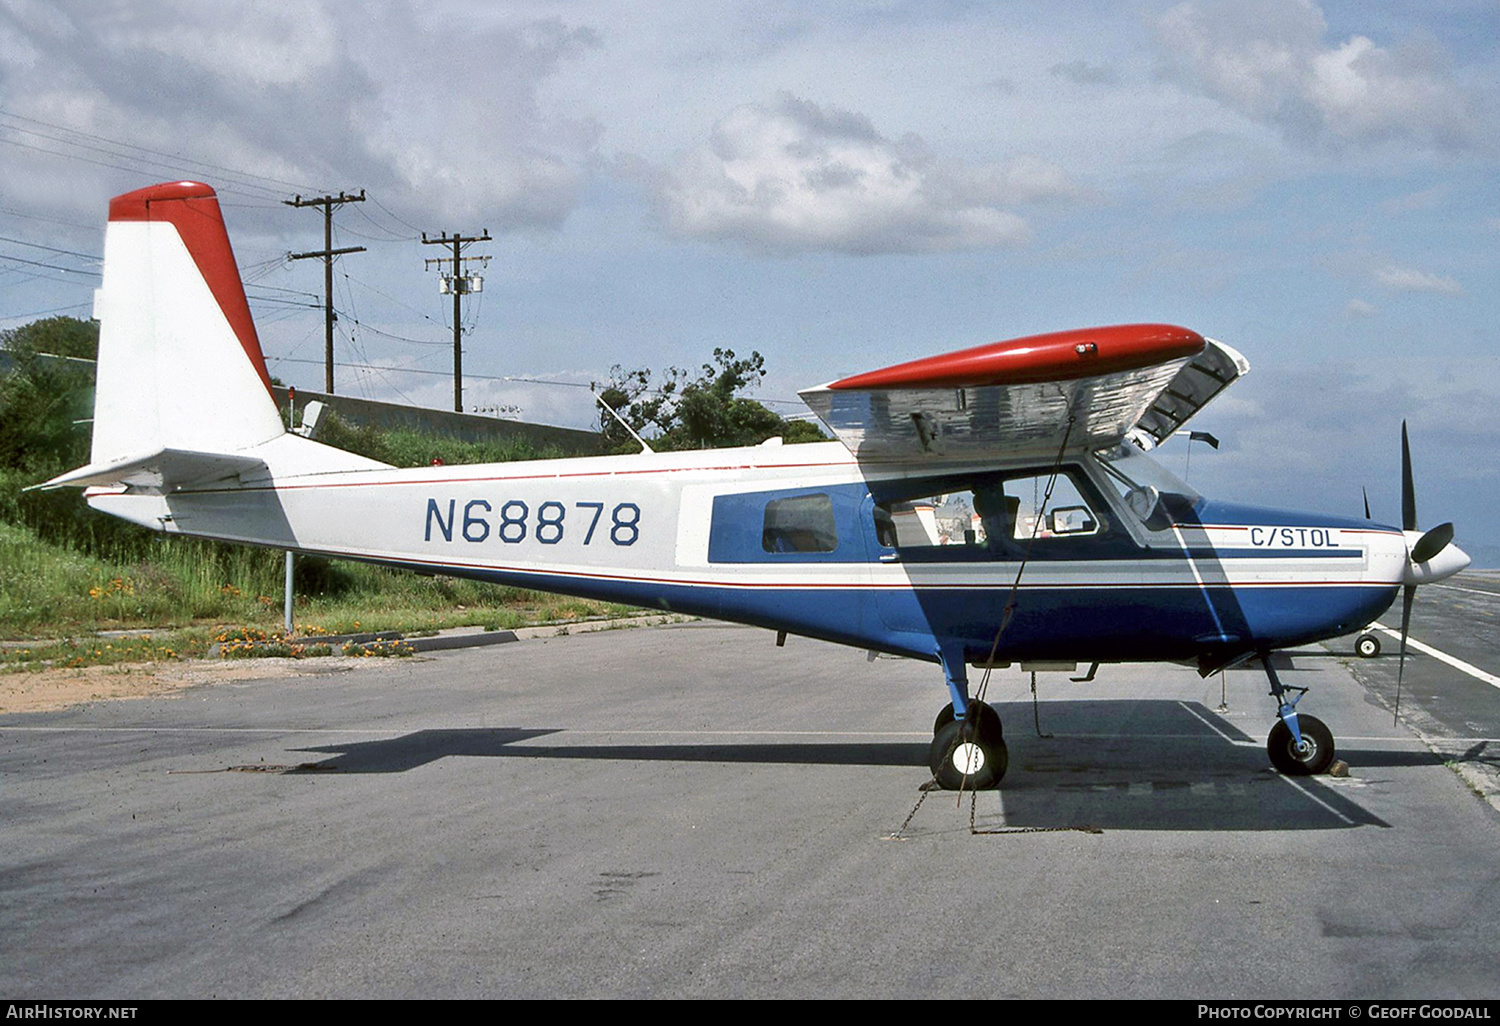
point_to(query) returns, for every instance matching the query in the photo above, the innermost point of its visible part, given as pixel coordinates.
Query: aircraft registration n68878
(990, 506)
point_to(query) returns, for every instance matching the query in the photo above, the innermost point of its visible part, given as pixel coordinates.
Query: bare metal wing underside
(1026, 419)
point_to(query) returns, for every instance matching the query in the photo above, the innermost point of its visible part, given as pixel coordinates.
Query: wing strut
(1010, 602)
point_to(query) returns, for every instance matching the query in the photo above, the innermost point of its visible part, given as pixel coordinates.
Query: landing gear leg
(968, 746)
(1299, 746)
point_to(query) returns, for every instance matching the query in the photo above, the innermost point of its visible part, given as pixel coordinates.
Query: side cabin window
(803, 523)
(991, 517)
(789, 525)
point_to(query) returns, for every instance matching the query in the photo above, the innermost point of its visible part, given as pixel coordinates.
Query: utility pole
(328, 203)
(287, 594)
(459, 284)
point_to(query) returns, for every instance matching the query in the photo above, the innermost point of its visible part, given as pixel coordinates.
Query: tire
(960, 760)
(1367, 646)
(989, 719)
(1317, 753)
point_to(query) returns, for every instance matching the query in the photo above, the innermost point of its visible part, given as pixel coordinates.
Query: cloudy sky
(838, 186)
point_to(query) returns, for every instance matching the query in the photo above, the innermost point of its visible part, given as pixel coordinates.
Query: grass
(185, 592)
(68, 573)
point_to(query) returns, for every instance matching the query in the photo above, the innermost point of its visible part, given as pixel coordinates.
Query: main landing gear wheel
(1367, 646)
(989, 719)
(969, 753)
(1313, 757)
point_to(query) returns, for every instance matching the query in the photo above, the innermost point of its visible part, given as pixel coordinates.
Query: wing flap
(1194, 387)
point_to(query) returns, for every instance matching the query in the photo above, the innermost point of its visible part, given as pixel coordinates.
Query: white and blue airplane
(986, 507)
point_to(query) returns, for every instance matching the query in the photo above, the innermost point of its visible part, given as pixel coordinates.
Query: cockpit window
(1065, 513)
(989, 517)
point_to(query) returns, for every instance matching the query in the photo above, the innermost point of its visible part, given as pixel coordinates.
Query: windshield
(1152, 492)
(1134, 469)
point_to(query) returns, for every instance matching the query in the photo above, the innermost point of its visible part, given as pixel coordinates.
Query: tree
(54, 336)
(46, 383)
(697, 413)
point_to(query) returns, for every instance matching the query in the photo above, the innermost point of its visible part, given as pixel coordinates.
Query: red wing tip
(1058, 356)
(133, 206)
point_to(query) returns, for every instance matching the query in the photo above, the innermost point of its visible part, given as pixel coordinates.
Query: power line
(499, 377)
(388, 210)
(391, 236)
(274, 186)
(54, 220)
(173, 171)
(376, 238)
(54, 267)
(45, 313)
(395, 338)
(52, 249)
(278, 288)
(380, 292)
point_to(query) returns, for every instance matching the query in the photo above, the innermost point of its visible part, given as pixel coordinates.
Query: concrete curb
(477, 637)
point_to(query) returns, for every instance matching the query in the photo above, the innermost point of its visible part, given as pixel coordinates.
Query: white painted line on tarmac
(195, 730)
(1210, 725)
(1471, 591)
(1453, 661)
(552, 732)
(1298, 785)
(1419, 739)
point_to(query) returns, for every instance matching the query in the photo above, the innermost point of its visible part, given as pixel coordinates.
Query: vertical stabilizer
(180, 366)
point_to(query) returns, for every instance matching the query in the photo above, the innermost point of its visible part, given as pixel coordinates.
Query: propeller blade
(1431, 543)
(1407, 594)
(1366, 494)
(1408, 489)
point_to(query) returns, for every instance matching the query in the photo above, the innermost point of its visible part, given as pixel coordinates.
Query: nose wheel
(968, 754)
(1307, 757)
(1299, 746)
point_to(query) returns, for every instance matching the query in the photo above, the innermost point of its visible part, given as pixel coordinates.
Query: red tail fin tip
(193, 209)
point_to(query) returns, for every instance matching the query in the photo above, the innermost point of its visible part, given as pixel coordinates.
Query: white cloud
(1408, 279)
(792, 176)
(1268, 60)
(1334, 428)
(1359, 308)
(303, 94)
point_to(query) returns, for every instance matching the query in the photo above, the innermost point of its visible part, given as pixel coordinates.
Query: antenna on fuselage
(612, 412)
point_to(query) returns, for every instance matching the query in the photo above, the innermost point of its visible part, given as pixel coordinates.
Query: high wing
(1015, 398)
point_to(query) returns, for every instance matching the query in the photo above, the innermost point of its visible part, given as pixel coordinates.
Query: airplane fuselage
(901, 557)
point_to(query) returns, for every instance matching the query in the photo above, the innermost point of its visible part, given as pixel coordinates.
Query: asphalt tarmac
(690, 811)
(1457, 711)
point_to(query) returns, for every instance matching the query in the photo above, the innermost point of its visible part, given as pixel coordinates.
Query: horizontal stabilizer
(162, 470)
